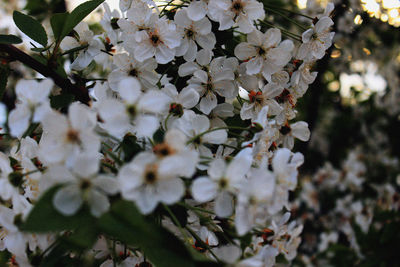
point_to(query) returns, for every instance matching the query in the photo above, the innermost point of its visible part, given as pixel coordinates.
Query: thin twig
(80, 93)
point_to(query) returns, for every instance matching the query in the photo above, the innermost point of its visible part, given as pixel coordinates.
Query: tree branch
(80, 93)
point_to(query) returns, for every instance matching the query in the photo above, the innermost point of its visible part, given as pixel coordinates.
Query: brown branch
(80, 93)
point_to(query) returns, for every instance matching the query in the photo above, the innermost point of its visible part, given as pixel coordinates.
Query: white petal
(204, 57)
(217, 168)
(201, 75)
(18, 120)
(164, 54)
(171, 190)
(68, 43)
(300, 130)
(197, 10)
(144, 51)
(81, 117)
(187, 69)
(208, 103)
(154, 101)
(280, 160)
(146, 201)
(85, 165)
(191, 52)
(254, 65)
(242, 219)
(224, 204)
(98, 203)
(206, 41)
(200, 123)
(182, 164)
(215, 137)
(107, 184)
(188, 98)
(130, 89)
(203, 189)
(244, 51)
(240, 165)
(68, 200)
(146, 125)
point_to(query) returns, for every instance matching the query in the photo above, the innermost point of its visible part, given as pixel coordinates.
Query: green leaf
(57, 22)
(40, 58)
(61, 101)
(3, 81)
(36, 7)
(45, 218)
(9, 39)
(4, 257)
(84, 236)
(30, 27)
(162, 248)
(158, 136)
(130, 147)
(40, 49)
(180, 213)
(77, 15)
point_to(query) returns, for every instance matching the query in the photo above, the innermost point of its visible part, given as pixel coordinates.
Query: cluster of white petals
(240, 174)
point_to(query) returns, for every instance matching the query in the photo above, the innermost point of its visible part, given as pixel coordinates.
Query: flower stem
(217, 129)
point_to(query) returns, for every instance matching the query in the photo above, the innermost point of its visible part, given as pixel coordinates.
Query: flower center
(197, 141)
(73, 136)
(155, 38)
(85, 184)
(223, 183)
(255, 96)
(150, 174)
(114, 23)
(285, 129)
(131, 110)
(150, 177)
(133, 73)
(189, 33)
(261, 51)
(237, 7)
(176, 109)
(163, 150)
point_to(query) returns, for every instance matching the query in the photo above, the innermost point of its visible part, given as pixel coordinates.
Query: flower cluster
(357, 204)
(179, 121)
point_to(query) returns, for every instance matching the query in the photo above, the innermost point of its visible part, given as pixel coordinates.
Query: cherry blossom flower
(242, 13)
(135, 112)
(265, 52)
(193, 33)
(82, 184)
(65, 137)
(147, 182)
(33, 104)
(85, 38)
(222, 183)
(316, 40)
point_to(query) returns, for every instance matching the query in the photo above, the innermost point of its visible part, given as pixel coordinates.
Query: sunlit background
(385, 10)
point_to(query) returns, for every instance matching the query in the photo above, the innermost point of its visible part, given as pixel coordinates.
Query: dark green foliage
(4, 72)
(61, 101)
(380, 245)
(9, 39)
(44, 211)
(130, 147)
(57, 24)
(77, 15)
(162, 248)
(30, 27)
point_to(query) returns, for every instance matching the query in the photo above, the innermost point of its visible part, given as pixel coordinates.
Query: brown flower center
(150, 174)
(73, 136)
